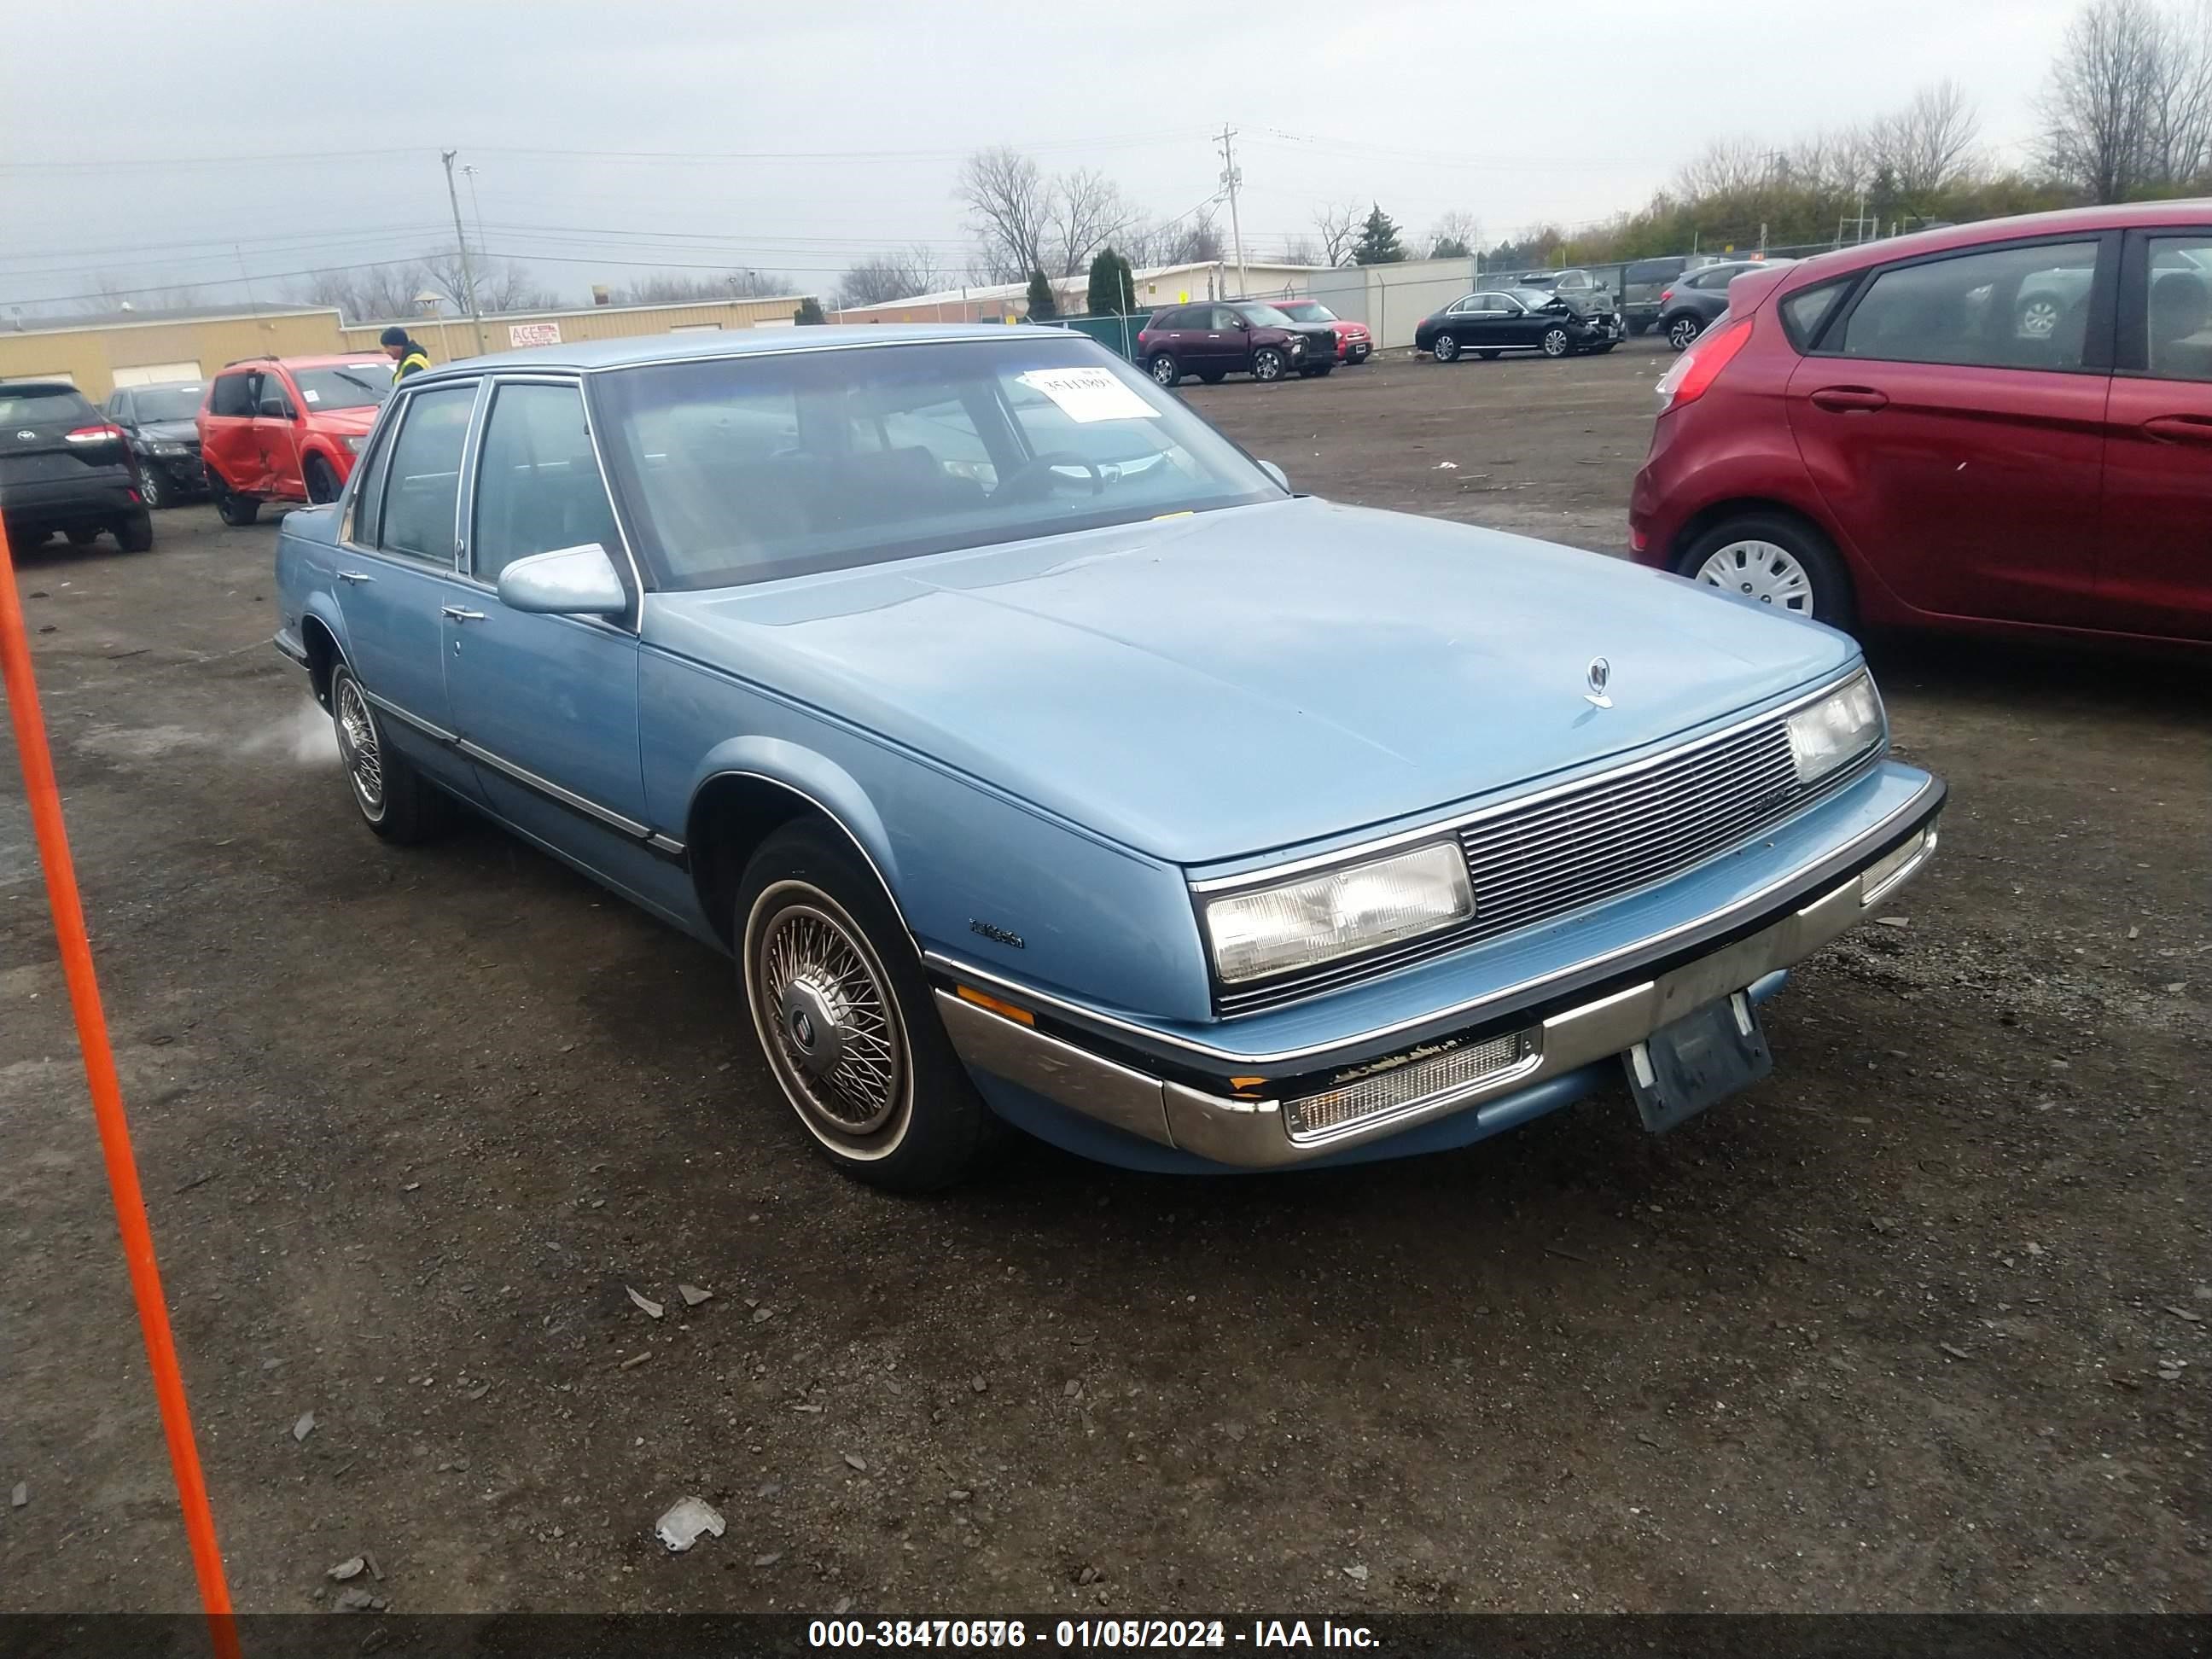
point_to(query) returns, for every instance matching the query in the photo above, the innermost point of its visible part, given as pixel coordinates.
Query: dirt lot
(1924, 1322)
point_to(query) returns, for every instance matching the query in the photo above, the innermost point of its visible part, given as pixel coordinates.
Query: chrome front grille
(1313, 1117)
(1583, 845)
(1532, 860)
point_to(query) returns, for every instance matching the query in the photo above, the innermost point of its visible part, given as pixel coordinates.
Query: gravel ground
(1924, 1321)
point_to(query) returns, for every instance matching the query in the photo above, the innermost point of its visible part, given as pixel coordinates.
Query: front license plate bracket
(1689, 1063)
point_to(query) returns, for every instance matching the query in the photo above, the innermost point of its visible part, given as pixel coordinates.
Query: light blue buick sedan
(1044, 759)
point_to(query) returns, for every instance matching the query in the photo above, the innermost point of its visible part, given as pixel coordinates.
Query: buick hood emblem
(1601, 676)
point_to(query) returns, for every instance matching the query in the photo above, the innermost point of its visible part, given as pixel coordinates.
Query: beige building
(98, 356)
(1159, 285)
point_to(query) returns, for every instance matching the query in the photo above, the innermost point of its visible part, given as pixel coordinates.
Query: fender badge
(1601, 676)
(997, 935)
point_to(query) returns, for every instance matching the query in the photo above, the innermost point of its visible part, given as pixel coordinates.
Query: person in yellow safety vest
(407, 357)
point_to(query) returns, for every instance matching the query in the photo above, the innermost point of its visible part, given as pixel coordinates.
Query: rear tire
(82, 535)
(394, 799)
(136, 535)
(1315, 370)
(1164, 370)
(1740, 556)
(1446, 349)
(1488, 356)
(1212, 376)
(845, 1020)
(230, 506)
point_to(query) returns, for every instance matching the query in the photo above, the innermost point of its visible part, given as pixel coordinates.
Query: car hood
(1210, 686)
(169, 432)
(345, 422)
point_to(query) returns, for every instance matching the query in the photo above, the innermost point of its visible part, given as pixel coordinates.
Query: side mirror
(1277, 473)
(569, 581)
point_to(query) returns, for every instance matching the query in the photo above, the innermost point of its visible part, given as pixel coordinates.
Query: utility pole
(1230, 178)
(476, 208)
(468, 271)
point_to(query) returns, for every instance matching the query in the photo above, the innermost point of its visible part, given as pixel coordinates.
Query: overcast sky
(802, 137)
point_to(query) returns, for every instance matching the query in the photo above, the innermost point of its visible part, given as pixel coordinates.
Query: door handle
(2179, 428)
(355, 577)
(1848, 399)
(462, 613)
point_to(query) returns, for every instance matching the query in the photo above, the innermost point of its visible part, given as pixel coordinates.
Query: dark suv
(160, 422)
(1238, 336)
(64, 466)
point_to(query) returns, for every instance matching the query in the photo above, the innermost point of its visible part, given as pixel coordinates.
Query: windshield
(345, 386)
(1306, 311)
(166, 402)
(746, 469)
(1264, 316)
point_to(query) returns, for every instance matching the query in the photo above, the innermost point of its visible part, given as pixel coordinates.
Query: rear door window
(423, 495)
(1998, 307)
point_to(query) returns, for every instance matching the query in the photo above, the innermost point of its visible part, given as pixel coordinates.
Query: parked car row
(1270, 341)
(2001, 427)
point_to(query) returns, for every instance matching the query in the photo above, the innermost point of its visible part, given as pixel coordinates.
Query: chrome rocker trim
(1257, 1133)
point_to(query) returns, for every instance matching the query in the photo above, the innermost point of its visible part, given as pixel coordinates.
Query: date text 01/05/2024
(1073, 1633)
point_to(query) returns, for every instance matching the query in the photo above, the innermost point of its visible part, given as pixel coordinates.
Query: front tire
(1165, 370)
(1213, 376)
(322, 483)
(394, 799)
(846, 1020)
(1267, 365)
(153, 490)
(1556, 342)
(1446, 349)
(1775, 559)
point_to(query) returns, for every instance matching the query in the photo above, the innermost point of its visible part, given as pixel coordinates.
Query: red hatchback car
(285, 429)
(2005, 426)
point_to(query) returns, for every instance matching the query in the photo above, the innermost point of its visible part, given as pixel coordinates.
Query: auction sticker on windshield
(1089, 394)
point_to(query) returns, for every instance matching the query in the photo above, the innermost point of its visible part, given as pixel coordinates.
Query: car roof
(2191, 212)
(585, 355)
(38, 384)
(366, 355)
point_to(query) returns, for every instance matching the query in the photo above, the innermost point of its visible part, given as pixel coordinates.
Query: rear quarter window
(1806, 313)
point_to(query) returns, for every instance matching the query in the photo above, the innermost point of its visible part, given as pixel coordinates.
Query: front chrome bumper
(1266, 1132)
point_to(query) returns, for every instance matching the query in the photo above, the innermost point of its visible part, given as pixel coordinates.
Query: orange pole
(108, 1107)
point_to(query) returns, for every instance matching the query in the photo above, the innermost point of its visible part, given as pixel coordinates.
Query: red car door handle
(2180, 428)
(1846, 399)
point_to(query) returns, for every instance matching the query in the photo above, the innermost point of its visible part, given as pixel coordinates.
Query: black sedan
(159, 422)
(1518, 320)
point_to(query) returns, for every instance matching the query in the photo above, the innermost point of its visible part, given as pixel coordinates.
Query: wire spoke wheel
(357, 743)
(1760, 570)
(827, 1017)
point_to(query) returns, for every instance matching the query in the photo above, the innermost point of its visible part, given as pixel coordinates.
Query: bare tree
(894, 274)
(1010, 205)
(1086, 210)
(1456, 235)
(501, 284)
(1727, 167)
(1928, 145)
(366, 294)
(676, 288)
(1339, 224)
(1302, 251)
(2099, 105)
(2181, 119)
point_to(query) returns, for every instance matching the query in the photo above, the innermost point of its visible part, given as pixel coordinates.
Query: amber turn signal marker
(969, 994)
(1246, 1082)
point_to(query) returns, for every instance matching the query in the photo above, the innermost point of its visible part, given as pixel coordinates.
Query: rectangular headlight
(1338, 913)
(1837, 730)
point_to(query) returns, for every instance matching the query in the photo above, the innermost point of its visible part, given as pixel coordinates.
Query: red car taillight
(1701, 365)
(1665, 294)
(95, 435)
